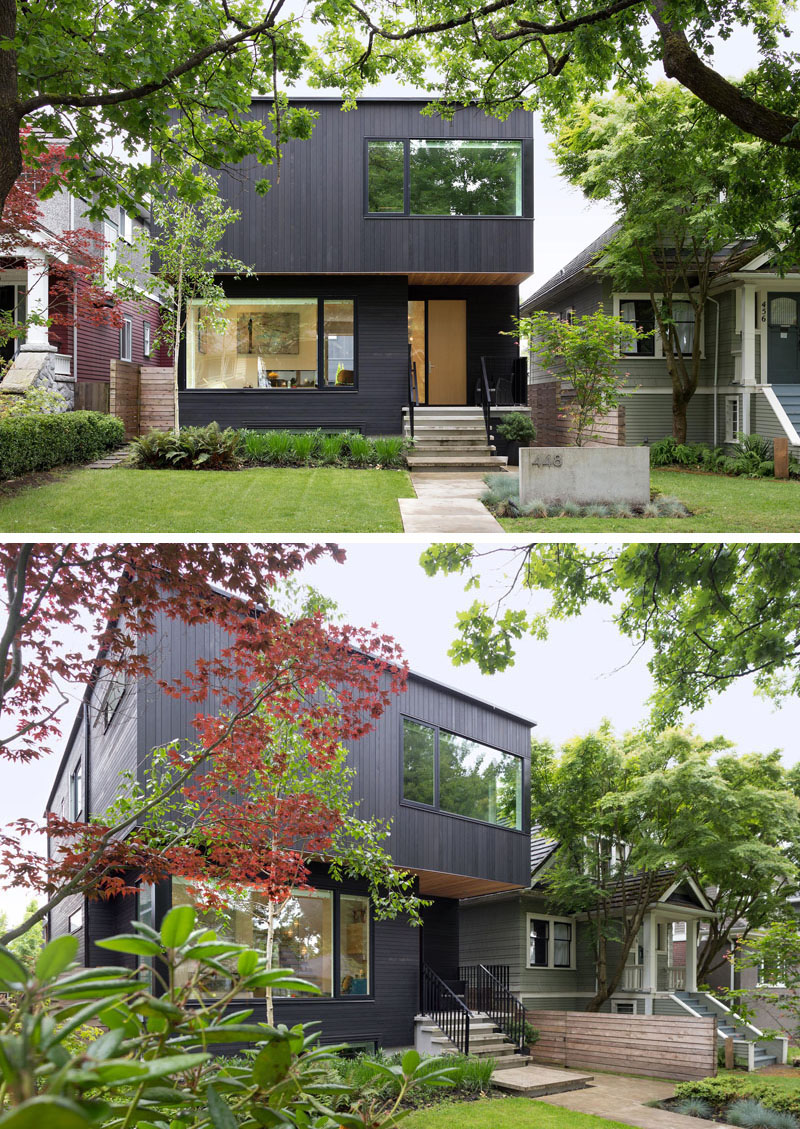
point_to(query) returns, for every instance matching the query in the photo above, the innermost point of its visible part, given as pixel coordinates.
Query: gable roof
(577, 266)
(542, 849)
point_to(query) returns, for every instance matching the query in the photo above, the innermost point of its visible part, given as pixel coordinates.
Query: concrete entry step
(533, 1081)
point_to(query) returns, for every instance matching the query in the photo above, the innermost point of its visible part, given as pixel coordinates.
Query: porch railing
(677, 977)
(447, 1010)
(632, 978)
(487, 991)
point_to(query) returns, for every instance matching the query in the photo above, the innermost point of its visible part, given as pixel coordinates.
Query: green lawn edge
(257, 500)
(505, 1113)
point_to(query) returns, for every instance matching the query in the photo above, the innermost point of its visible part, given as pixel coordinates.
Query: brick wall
(549, 401)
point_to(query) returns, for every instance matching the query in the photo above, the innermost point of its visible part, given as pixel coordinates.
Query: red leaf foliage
(329, 682)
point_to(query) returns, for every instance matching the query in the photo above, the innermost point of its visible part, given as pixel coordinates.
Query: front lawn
(316, 500)
(505, 1113)
(719, 504)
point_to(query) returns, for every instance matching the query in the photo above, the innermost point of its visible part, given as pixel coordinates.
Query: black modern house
(390, 236)
(450, 771)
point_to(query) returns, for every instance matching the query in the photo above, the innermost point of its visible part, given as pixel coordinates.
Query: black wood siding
(313, 221)
(440, 937)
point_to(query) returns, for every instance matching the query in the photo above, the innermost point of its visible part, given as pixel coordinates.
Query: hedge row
(39, 442)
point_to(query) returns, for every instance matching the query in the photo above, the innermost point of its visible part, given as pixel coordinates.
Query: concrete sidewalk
(447, 503)
(623, 1099)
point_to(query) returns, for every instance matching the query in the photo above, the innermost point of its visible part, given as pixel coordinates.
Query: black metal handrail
(483, 396)
(447, 1010)
(487, 990)
(413, 391)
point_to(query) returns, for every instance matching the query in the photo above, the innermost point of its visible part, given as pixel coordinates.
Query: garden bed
(752, 1101)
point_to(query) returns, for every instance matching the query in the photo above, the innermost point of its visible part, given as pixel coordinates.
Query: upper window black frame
(435, 806)
(408, 214)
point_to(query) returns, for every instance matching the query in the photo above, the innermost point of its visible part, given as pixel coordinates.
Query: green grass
(719, 504)
(318, 500)
(506, 1113)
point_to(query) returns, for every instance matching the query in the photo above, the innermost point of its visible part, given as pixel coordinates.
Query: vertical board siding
(440, 947)
(655, 1046)
(313, 220)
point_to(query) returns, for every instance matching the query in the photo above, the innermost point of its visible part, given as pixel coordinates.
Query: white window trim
(629, 1007)
(732, 432)
(679, 925)
(125, 225)
(126, 339)
(146, 339)
(550, 942)
(658, 354)
(79, 914)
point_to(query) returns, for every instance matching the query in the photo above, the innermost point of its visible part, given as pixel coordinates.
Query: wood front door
(447, 351)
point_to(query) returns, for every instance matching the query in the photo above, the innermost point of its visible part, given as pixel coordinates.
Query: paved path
(534, 1081)
(623, 1099)
(112, 459)
(447, 503)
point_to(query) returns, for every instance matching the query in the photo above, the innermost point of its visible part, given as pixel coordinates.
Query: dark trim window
(452, 177)
(112, 698)
(324, 935)
(276, 344)
(454, 774)
(76, 791)
(638, 312)
(550, 942)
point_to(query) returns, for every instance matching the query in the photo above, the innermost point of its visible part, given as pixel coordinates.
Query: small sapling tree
(585, 353)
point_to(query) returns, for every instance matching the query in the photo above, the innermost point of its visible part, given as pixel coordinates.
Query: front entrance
(783, 343)
(437, 334)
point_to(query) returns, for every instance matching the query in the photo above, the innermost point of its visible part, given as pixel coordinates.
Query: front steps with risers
(486, 1040)
(750, 1047)
(450, 439)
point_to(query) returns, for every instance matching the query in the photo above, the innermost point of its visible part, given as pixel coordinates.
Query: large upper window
(444, 178)
(274, 343)
(454, 774)
(638, 312)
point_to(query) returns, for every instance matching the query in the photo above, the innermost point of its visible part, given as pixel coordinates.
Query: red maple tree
(327, 682)
(74, 257)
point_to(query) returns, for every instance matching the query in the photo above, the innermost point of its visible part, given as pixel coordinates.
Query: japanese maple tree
(73, 259)
(327, 682)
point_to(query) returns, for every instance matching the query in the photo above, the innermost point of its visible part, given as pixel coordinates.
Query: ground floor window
(550, 942)
(732, 425)
(323, 935)
(277, 344)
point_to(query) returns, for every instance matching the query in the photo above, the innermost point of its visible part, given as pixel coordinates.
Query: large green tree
(690, 195)
(625, 810)
(506, 53)
(111, 80)
(710, 614)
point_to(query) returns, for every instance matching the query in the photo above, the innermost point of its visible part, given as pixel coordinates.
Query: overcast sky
(567, 685)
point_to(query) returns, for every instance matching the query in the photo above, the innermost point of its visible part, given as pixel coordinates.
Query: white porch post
(748, 299)
(691, 955)
(37, 340)
(650, 970)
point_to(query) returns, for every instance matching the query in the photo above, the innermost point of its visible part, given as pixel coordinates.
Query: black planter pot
(512, 451)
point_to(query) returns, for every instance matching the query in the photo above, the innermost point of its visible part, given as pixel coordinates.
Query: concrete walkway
(623, 1099)
(447, 503)
(112, 459)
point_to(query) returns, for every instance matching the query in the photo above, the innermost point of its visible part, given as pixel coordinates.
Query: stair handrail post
(443, 1005)
(486, 400)
(413, 391)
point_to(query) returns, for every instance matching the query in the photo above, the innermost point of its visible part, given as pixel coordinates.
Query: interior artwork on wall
(268, 334)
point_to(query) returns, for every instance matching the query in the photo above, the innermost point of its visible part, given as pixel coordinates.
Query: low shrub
(364, 1074)
(330, 449)
(516, 427)
(752, 457)
(315, 448)
(192, 448)
(390, 450)
(752, 1114)
(304, 446)
(42, 441)
(362, 452)
(502, 498)
(721, 1092)
(694, 1107)
(36, 401)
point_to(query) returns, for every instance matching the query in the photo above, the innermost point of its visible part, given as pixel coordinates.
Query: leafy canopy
(710, 613)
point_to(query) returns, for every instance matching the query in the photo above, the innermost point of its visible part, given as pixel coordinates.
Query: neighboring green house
(750, 376)
(551, 965)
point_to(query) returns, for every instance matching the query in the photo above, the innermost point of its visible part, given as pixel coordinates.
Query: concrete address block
(586, 475)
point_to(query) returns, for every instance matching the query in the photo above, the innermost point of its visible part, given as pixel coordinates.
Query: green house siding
(649, 416)
(493, 933)
(663, 1005)
(763, 419)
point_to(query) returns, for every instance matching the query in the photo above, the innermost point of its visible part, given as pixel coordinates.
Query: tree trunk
(270, 940)
(176, 346)
(10, 149)
(678, 418)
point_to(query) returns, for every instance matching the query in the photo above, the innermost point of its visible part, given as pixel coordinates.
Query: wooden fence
(549, 402)
(92, 395)
(141, 395)
(661, 1046)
